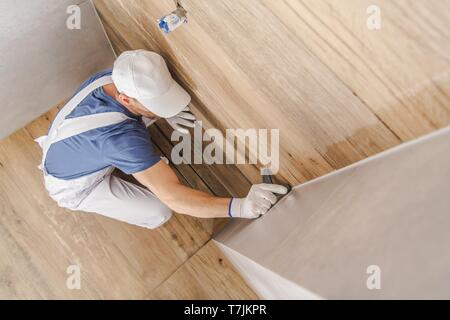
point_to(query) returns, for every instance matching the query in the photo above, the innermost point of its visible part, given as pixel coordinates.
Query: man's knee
(166, 213)
(156, 216)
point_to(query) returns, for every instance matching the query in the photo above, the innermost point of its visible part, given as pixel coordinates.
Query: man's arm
(162, 181)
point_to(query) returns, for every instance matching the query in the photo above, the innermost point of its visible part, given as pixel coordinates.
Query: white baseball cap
(143, 75)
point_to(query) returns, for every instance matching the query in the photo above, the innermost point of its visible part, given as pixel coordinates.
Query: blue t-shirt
(126, 145)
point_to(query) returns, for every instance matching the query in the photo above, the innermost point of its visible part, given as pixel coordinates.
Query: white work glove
(185, 119)
(259, 200)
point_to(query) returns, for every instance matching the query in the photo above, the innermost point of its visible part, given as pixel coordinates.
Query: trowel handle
(267, 178)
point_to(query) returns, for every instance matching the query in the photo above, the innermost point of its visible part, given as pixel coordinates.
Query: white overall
(99, 192)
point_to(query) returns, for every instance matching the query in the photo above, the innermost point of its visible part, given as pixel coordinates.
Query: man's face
(136, 106)
(143, 110)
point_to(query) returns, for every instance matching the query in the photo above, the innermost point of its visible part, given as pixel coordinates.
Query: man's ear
(124, 99)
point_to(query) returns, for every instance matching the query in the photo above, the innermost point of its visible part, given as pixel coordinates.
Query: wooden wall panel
(207, 275)
(400, 72)
(337, 91)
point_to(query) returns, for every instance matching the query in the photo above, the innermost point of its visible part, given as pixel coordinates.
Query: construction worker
(103, 127)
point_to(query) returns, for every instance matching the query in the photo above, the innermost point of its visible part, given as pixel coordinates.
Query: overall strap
(75, 101)
(65, 128)
(75, 126)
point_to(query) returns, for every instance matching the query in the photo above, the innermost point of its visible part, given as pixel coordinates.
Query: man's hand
(258, 201)
(182, 121)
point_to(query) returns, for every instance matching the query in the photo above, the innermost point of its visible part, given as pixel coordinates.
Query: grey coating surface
(391, 210)
(43, 62)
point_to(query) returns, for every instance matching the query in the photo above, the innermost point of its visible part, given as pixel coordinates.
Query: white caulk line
(297, 291)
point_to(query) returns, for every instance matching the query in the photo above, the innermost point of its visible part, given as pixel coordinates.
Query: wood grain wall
(337, 91)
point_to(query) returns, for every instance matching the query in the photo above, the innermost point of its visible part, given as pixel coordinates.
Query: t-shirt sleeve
(130, 150)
